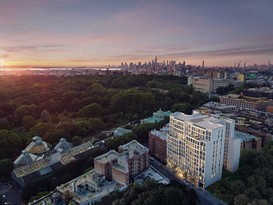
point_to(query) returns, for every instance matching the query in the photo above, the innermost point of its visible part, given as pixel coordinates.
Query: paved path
(204, 196)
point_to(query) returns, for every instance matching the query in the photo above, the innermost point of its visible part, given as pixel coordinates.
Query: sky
(108, 32)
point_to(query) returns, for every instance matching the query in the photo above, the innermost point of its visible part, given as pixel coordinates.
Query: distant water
(58, 68)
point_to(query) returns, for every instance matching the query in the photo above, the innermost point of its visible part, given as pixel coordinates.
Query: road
(204, 196)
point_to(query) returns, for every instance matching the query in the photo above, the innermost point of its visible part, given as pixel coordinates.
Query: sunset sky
(103, 32)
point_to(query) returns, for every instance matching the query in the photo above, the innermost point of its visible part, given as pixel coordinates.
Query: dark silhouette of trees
(252, 183)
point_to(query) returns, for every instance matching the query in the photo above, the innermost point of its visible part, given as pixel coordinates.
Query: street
(204, 196)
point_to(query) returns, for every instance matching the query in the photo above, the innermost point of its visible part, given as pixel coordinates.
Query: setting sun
(2, 62)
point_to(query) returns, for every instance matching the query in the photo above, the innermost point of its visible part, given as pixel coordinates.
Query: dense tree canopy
(55, 107)
(252, 184)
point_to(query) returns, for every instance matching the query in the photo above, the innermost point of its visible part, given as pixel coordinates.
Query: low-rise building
(29, 167)
(249, 141)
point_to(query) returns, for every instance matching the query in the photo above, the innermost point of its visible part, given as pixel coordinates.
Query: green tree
(6, 167)
(41, 128)
(182, 107)
(10, 144)
(241, 199)
(29, 122)
(76, 140)
(92, 110)
(44, 116)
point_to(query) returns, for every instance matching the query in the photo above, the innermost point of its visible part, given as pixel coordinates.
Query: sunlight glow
(2, 62)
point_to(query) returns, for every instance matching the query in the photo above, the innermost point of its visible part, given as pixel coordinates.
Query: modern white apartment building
(195, 146)
(232, 146)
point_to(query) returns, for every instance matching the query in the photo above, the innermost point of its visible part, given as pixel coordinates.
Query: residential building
(266, 136)
(130, 160)
(246, 102)
(232, 144)
(158, 144)
(259, 92)
(196, 147)
(249, 141)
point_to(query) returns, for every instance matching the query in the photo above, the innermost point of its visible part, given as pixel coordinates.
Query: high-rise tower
(196, 147)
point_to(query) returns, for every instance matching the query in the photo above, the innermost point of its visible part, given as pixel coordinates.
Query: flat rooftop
(158, 133)
(133, 146)
(197, 119)
(121, 159)
(154, 174)
(245, 136)
(94, 190)
(247, 98)
(129, 151)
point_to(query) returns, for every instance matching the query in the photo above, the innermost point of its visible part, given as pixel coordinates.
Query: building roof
(121, 131)
(97, 187)
(152, 173)
(40, 165)
(219, 106)
(157, 116)
(203, 121)
(133, 146)
(60, 154)
(161, 134)
(37, 146)
(247, 98)
(63, 145)
(245, 136)
(26, 158)
(119, 160)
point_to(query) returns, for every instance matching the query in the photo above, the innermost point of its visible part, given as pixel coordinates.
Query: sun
(2, 62)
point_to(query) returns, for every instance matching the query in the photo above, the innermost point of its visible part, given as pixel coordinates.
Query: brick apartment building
(158, 144)
(130, 160)
(246, 102)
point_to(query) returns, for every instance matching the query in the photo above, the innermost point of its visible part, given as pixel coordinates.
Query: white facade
(232, 145)
(195, 146)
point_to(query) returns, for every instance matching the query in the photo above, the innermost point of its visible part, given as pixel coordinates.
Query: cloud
(5, 56)
(242, 51)
(16, 49)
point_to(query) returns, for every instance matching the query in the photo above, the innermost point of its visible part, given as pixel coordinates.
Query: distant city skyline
(103, 32)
